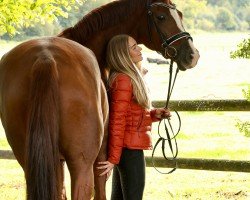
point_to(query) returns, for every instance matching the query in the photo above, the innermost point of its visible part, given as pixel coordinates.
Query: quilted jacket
(129, 123)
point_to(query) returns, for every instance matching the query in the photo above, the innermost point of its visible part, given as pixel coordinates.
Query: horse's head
(167, 34)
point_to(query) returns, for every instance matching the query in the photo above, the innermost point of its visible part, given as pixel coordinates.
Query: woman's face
(134, 50)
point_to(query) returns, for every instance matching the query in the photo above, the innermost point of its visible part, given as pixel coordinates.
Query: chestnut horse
(53, 102)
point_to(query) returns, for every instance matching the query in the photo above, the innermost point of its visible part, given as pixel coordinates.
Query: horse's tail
(42, 141)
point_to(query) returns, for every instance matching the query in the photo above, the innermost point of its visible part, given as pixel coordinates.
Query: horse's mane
(103, 17)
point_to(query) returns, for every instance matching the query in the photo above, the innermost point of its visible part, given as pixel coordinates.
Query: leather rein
(170, 137)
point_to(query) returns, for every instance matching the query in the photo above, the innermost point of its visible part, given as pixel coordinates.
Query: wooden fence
(193, 163)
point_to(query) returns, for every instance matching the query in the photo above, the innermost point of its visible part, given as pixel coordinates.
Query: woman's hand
(108, 166)
(162, 113)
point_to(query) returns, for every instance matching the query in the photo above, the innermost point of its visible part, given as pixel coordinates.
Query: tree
(225, 19)
(241, 2)
(74, 16)
(16, 14)
(191, 9)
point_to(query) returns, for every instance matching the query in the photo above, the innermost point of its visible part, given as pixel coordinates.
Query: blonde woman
(130, 120)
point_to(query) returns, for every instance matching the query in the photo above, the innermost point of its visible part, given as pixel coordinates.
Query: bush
(244, 127)
(243, 50)
(246, 93)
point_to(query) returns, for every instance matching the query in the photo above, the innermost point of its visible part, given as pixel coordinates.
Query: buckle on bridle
(170, 51)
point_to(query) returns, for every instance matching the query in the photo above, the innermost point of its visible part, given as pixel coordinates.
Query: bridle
(166, 42)
(166, 45)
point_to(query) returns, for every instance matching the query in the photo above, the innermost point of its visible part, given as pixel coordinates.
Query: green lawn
(182, 184)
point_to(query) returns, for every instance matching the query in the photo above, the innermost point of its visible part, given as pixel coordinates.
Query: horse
(53, 101)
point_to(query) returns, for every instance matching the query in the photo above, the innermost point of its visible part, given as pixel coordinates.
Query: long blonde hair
(119, 61)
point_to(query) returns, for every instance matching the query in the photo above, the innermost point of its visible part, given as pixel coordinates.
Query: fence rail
(201, 164)
(193, 163)
(206, 105)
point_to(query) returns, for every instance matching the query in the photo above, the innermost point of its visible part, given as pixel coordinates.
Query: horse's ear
(180, 13)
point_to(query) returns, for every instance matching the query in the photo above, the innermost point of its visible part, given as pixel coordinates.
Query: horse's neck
(98, 41)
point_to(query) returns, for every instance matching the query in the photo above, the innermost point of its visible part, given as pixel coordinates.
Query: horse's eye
(161, 17)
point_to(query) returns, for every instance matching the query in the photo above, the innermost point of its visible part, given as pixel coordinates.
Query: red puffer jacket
(129, 123)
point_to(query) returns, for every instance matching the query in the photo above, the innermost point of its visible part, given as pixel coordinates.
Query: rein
(170, 137)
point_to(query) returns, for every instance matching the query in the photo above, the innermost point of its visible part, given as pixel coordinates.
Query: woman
(130, 119)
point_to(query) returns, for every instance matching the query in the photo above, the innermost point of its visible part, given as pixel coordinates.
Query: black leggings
(129, 176)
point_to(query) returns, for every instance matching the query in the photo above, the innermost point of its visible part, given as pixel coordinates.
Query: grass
(4, 144)
(217, 153)
(182, 184)
(191, 184)
(183, 136)
(12, 184)
(245, 84)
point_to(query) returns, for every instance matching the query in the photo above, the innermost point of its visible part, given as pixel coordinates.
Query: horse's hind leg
(100, 181)
(82, 183)
(80, 154)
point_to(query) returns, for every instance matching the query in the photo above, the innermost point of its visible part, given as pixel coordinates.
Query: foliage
(191, 9)
(225, 19)
(246, 93)
(74, 15)
(215, 14)
(20, 14)
(243, 50)
(244, 127)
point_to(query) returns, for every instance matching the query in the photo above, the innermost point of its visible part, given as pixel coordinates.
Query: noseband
(166, 45)
(166, 42)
